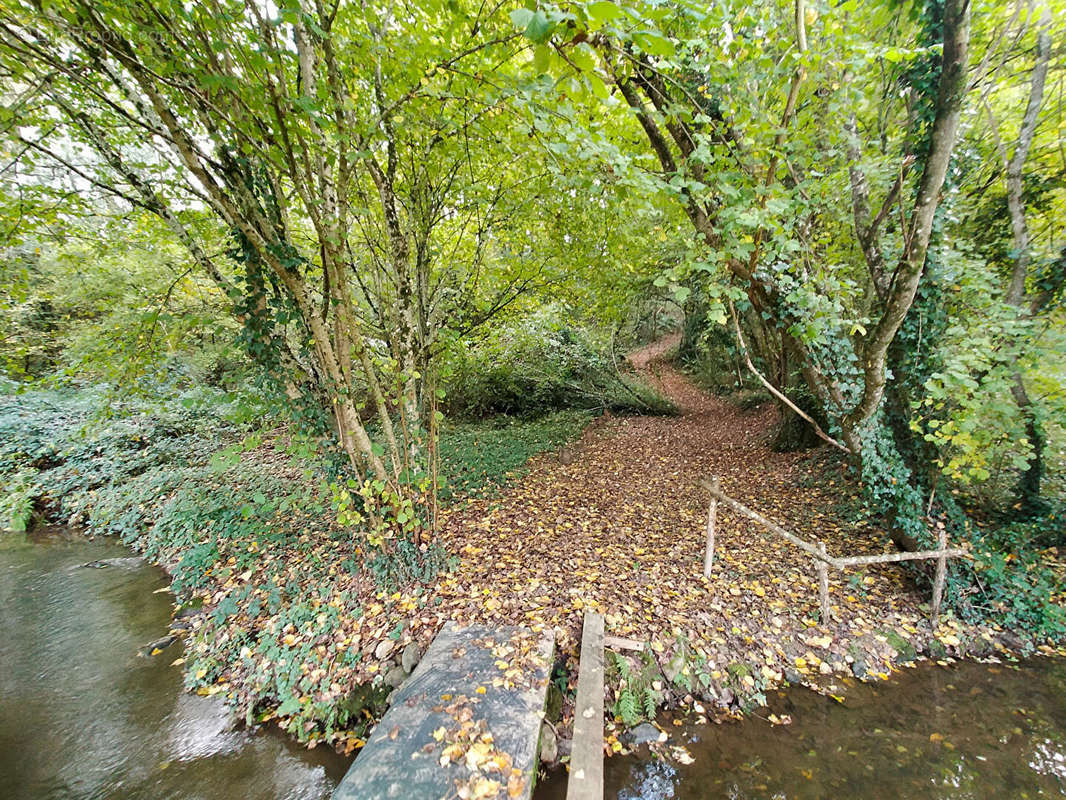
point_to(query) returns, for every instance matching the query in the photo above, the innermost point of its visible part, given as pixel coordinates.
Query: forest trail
(621, 531)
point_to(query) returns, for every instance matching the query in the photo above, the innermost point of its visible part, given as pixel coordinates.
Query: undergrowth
(1014, 577)
(480, 457)
(242, 517)
(540, 365)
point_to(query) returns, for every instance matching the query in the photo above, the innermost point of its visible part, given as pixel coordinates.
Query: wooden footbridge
(466, 725)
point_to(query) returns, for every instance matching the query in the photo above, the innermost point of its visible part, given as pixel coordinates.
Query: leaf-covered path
(621, 530)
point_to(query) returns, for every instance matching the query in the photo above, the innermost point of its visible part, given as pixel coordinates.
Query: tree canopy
(864, 201)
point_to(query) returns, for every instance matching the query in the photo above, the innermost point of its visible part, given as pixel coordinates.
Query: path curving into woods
(621, 531)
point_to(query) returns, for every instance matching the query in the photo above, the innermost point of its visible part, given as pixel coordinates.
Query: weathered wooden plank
(469, 715)
(622, 643)
(586, 757)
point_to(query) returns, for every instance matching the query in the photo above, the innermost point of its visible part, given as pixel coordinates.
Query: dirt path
(621, 531)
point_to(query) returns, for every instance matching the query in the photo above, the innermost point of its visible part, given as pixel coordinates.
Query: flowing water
(82, 715)
(969, 731)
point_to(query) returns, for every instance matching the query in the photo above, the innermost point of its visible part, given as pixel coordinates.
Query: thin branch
(777, 393)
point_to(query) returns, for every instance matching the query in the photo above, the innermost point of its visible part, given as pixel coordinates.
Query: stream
(82, 715)
(929, 733)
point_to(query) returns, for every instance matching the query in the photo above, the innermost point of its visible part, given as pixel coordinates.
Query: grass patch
(478, 458)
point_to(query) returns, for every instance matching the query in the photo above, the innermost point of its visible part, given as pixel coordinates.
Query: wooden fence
(821, 558)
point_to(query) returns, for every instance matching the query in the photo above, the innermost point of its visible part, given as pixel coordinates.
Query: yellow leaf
(516, 785)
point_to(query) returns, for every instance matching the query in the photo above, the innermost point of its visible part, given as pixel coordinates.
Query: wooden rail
(821, 558)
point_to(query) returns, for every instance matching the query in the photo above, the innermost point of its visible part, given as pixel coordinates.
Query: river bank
(106, 720)
(295, 621)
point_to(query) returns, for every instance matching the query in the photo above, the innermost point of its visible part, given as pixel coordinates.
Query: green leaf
(597, 86)
(290, 706)
(541, 59)
(603, 11)
(521, 17)
(655, 45)
(540, 28)
(582, 57)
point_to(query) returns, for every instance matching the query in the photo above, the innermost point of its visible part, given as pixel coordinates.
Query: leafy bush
(1013, 587)
(710, 356)
(539, 365)
(408, 564)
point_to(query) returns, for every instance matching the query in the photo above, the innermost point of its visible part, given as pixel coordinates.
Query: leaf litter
(617, 530)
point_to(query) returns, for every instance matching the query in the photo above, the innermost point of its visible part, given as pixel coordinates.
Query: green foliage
(542, 364)
(113, 301)
(280, 665)
(710, 354)
(479, 457)
(636, 698)
(1011, 584)
(18, 500)
(407, 563)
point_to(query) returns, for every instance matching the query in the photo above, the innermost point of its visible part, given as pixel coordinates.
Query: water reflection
(972, 731)
(653, 779)
(83, 716)
(1048, 759)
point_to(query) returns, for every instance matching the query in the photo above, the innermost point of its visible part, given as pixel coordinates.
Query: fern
(627, 708)
(636, 699)
(651, 703)
(621, 665)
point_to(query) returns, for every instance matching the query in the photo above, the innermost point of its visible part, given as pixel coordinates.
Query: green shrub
(634, 684)
(18, 500)
(408, 564)
(539, 365)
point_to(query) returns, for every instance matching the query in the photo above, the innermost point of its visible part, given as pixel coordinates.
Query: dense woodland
(269, 264)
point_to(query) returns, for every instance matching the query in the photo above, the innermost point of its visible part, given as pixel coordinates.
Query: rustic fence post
(823, 584)
(712, 514)
(941, 571)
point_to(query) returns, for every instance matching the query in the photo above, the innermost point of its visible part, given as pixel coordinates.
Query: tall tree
(1017, 294)
(697, 84)
(355, 153)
